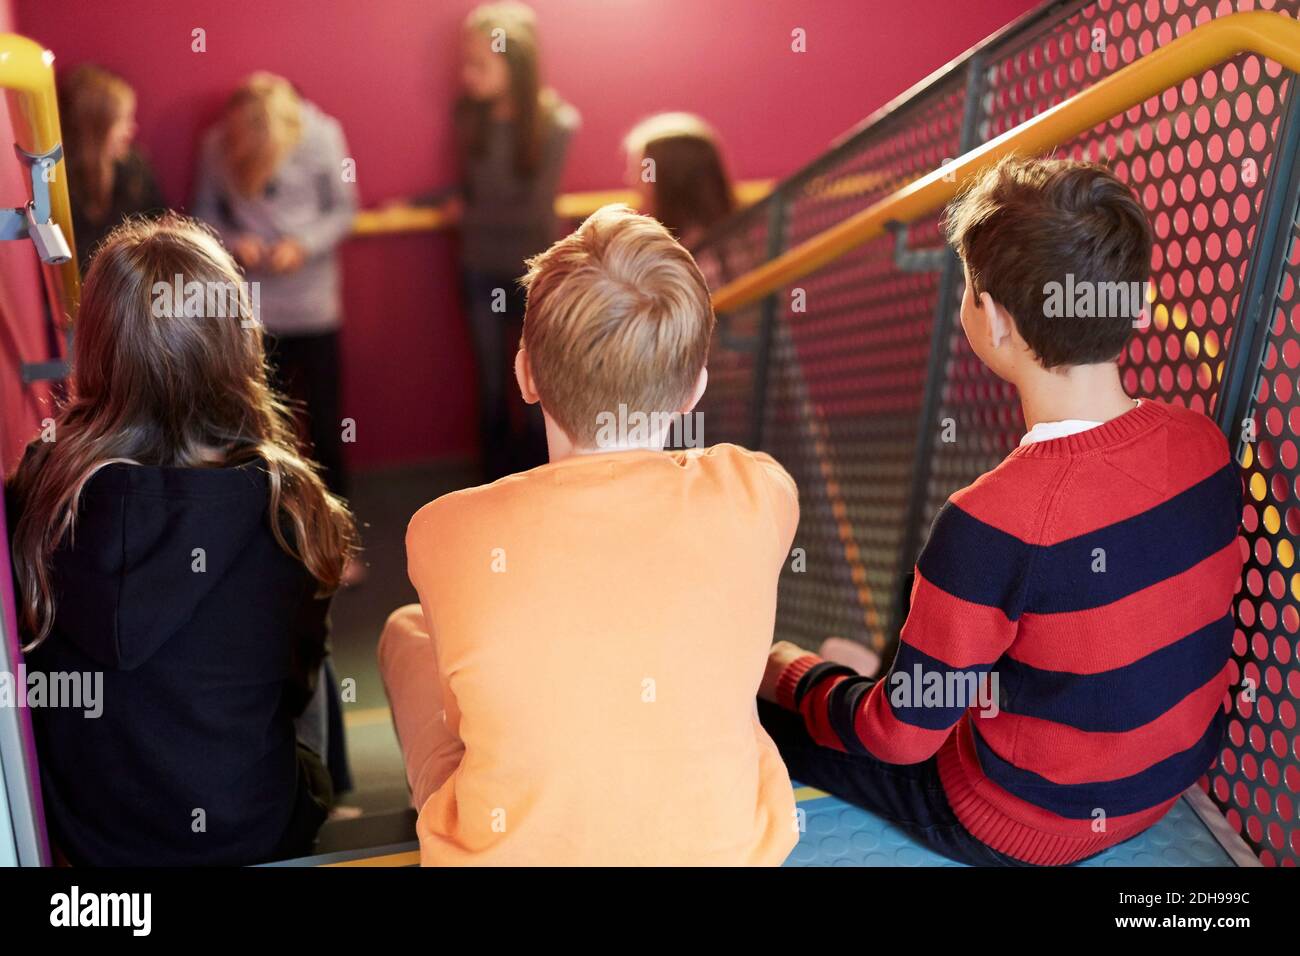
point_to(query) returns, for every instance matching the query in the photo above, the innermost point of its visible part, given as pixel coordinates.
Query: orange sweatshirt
(602, 624)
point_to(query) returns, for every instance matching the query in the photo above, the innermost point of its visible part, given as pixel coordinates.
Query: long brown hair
(692, 189)
(262, 124)
(533, 107)
(174, 390)
(91, 101)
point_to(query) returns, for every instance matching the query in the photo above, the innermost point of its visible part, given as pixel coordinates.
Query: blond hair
(618, 314)
(263, 123)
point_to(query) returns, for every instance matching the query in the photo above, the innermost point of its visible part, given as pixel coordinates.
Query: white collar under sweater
(1070, 426)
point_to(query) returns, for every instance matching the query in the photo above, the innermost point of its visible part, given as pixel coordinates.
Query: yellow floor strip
(366, 716)
(808, 793)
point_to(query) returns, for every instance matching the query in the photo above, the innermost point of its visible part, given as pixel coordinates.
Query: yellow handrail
(398, 219)
(27, 76)
(1273, 35)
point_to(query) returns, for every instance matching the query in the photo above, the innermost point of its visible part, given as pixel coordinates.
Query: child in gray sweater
(275, 181)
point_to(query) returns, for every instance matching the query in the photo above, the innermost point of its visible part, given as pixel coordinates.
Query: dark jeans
(512, 435)
(307, 368)
(909, 796)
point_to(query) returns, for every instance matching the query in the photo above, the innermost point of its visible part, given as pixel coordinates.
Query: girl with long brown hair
(171, 537)
(512, 134)
(108, 178)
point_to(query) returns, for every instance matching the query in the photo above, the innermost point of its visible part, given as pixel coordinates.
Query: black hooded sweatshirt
(209, 637)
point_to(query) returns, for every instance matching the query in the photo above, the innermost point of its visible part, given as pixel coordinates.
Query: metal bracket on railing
(914, 260)
(32, 221)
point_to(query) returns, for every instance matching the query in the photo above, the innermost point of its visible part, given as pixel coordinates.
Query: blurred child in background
(675, 166)
(108, 178)
(511, 138)
(272, 181)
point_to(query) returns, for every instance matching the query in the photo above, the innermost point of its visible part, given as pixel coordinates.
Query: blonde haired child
(577, 683)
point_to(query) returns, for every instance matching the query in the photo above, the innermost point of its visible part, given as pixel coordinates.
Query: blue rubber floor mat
(839, 834)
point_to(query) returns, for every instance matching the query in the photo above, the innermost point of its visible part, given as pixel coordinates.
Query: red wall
(387, 70)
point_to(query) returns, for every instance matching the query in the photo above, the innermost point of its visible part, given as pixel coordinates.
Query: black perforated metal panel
(1257, 779)
(848, 368)
(727, 410)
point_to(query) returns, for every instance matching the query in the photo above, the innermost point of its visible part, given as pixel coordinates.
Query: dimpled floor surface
(839, 834)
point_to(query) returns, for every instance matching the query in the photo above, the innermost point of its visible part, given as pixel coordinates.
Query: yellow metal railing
(27, 76)
(399, 219)
(1273, 35)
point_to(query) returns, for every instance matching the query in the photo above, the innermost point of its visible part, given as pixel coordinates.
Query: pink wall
(387, 70)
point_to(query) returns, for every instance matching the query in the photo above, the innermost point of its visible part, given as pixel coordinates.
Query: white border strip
(1228, 838)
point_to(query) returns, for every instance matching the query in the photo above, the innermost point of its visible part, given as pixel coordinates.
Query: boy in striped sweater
(1062, 672)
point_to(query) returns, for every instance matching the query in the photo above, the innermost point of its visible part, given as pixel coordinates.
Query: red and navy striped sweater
(1088, 580)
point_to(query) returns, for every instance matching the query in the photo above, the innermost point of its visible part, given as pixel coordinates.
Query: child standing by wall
(273, 182)
(512, 135)
(108, 179)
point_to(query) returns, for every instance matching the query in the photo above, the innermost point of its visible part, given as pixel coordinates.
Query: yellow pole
(1272, 35)
(27, 75)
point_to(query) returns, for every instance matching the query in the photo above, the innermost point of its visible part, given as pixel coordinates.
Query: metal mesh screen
(1257, 778)
(848, 368)
(878, 430)
(728, 406)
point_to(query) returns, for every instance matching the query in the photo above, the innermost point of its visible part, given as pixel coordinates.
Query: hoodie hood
(148, 546)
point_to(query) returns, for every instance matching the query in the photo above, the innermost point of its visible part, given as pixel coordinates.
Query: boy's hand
(782, 654)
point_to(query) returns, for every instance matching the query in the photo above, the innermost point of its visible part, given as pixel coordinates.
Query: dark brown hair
(692, 190)
(170, 389)
(1028, 223)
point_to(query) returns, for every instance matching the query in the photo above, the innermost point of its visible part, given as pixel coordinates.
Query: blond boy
(577, 683)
